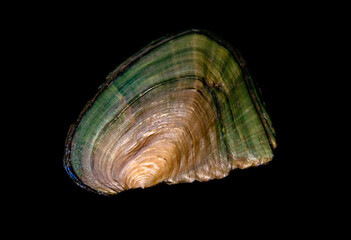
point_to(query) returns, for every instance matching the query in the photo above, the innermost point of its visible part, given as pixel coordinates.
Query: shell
(184, 108)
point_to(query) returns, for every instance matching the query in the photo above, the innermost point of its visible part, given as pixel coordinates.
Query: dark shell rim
(250, 84)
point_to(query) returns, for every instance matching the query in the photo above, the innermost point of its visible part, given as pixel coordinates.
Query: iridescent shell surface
(184, 108)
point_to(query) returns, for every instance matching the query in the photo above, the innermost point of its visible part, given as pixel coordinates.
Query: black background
(77, 46)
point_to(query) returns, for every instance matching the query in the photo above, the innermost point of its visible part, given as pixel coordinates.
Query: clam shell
(184, 108)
